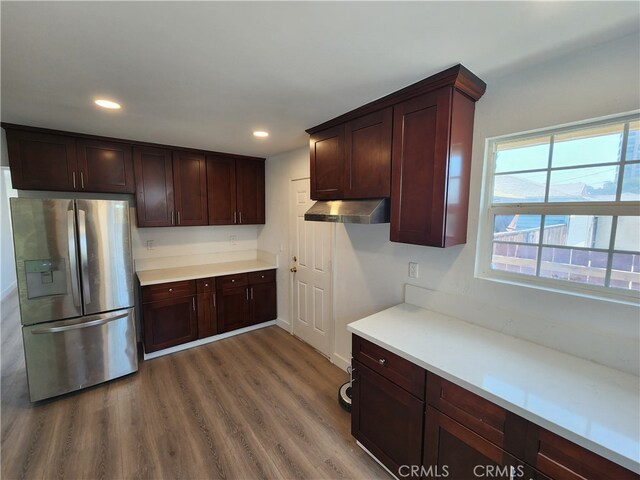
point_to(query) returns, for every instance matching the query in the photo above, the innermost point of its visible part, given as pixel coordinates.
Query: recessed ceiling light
(260, 133)
(107, 104)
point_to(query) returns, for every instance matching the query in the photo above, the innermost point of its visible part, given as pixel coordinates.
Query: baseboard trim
(284, 325)
(378, 461)
(340, 361)
(204, 341)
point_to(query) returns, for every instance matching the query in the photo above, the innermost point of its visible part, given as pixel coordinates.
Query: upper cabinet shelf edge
(457, 76)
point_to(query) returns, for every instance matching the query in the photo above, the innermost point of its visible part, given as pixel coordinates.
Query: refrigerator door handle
(73, 259)
(75, 326)
(84, 256)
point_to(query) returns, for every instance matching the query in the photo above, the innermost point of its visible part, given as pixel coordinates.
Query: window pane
(625, 272)
(587, 231)
(601, 144)
(516, 228)
(631, 183)
(592, 184)
(581, 266)
(628, 234)
(519, 188)
(529, 154)
(633, 143)
(514, 258)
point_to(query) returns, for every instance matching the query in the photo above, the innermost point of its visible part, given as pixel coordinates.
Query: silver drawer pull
(171, 289)
(261, 276)
(382, 361)
(206, 284)
(233, 281)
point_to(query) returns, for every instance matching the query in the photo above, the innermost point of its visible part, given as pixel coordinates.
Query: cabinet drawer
(474, 412)
(165, 291)
(231, 281)
(557, 457)
(264, 276)
(403, 373)
(206, 285)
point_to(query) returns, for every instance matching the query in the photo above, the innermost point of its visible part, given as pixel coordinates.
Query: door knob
(294, 269)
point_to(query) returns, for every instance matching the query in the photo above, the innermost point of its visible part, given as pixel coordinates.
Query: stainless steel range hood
(350, 211)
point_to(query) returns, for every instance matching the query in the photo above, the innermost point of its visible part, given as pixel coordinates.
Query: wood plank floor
(261, 405)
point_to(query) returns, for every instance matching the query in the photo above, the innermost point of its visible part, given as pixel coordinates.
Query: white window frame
(487, 211)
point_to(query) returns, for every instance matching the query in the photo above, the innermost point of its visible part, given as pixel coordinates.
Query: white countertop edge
(595, 447)
(177, 274)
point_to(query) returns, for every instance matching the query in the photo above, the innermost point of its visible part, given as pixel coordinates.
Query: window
(561, 208)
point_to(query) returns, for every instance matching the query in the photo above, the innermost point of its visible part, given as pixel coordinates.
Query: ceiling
(206, 74)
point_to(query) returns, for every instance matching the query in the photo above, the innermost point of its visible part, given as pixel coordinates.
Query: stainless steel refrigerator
(75, 281)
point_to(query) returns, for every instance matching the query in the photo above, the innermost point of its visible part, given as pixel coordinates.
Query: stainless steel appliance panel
(46, 259)
(72, 354)
(106, 266)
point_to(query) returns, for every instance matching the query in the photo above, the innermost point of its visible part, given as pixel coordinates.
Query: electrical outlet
(233, 239)
(149, 244)
(413, 270)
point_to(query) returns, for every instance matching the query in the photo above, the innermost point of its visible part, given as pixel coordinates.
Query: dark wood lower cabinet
(263, 302)
(233, 312)
(455, 434)
(169, 322)
(455, 452)
(386, 419)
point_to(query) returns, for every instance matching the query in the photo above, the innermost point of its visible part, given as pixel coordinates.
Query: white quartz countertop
(176, 274)
(592, 405)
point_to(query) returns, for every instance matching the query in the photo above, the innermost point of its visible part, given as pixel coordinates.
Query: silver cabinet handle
(73, 258)
(172, 221)
(382, 361)
(214, 300)
(247, 293)
(234, 217)
(82, 180)
(240, 214)
(251, 293)
(178, 217)
(73, 176)
(75, 326)
(171, 289)
(193, 302)
(84, 255)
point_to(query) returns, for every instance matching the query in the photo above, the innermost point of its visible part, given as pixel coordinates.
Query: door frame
(333, 358)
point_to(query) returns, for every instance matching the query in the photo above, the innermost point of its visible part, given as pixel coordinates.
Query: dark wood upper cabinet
(105, 166)
(250, 191)
(154, 187)
(236, 190)
(367, 157)
(190, 188)
(40, 161)
(327, 164)
(221, 183)
(431, 169)
(413, 145)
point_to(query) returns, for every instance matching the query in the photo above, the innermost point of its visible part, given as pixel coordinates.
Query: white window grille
(561, 208)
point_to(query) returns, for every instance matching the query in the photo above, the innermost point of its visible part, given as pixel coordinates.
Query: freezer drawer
(72, 354)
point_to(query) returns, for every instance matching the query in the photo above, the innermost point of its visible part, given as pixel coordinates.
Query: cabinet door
(42, 161)
(169, 322)
(250, 191)
(105, 166)
(233, 308)
(154, 187)
(368, 156)
(419, 169)
(221, 190)
(190, 184)
(263, 302)
(386, 419)
(455, 452)
(327, 164)
(207, 315)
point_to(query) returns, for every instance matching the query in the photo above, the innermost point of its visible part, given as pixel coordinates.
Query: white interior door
(311, 258)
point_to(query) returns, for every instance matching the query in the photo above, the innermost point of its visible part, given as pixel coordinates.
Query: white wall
(7, 263)
(368, 267)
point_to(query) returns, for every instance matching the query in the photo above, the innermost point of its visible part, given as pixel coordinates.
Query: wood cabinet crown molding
(457, 76)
